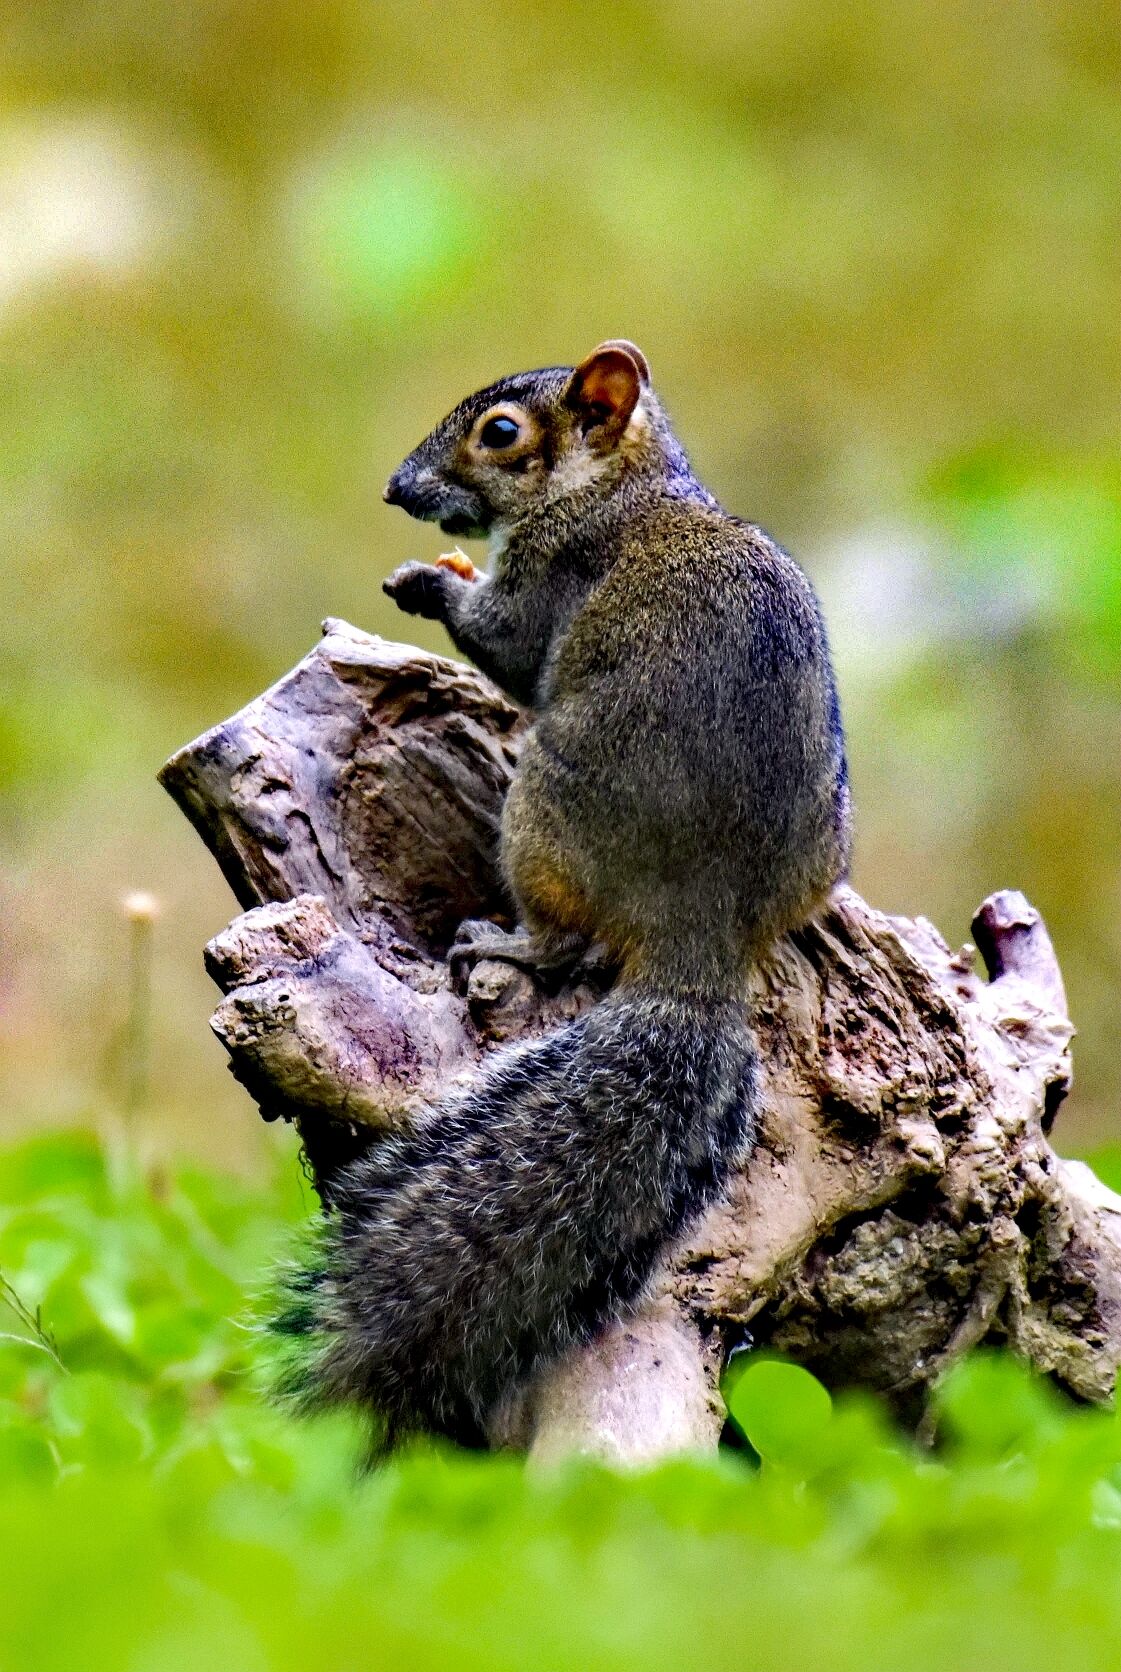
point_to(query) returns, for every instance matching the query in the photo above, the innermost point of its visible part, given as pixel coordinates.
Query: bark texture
(904, 1202)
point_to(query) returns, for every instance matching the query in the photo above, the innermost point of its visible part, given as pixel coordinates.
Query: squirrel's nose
(391, 493)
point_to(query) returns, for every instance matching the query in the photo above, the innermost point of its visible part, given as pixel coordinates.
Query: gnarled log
(903, 1203)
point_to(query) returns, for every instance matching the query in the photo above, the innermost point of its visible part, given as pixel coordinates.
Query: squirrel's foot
(550, 960)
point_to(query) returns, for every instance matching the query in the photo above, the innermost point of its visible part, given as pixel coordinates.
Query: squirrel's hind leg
(550, 956)
(558, 928)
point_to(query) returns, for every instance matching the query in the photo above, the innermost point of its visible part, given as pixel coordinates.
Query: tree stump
(903, 1203)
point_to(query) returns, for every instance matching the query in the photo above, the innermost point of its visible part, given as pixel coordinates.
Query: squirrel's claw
(476, 939)
(551, 963)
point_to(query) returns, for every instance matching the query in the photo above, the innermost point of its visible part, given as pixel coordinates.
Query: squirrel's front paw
(418, 589)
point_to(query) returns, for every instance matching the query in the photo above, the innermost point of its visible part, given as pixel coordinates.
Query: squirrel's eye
(499, 432)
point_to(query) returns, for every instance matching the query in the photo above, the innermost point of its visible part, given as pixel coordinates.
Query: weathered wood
(356, 803)
(903, 1203)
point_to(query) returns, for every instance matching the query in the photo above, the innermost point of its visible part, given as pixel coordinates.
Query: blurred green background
(249, 252)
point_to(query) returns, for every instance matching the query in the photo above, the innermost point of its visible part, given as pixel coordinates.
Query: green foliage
(379, 229)
(1045, 535)
(156, 1515)
(126, 1289)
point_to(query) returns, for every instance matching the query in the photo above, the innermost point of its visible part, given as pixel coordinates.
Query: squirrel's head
(528, 440)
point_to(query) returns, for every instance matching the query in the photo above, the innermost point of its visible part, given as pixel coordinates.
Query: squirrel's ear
(604, 388)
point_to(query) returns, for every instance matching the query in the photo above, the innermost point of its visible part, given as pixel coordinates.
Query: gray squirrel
(680, 801)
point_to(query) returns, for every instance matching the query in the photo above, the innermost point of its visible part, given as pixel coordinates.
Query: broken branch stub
(903, 1202)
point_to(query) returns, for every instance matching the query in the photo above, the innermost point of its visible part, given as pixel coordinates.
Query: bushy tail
(524, 1215)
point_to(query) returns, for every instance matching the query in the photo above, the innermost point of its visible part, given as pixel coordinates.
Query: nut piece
(459, 563)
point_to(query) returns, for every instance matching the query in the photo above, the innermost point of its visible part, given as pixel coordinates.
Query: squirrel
(680, 802)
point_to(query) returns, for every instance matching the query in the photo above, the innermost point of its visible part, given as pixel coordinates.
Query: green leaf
(25, 1454)
(781, 1409)
(100, 1419)
(992, 1405)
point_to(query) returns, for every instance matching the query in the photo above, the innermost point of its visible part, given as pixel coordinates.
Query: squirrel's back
(722, 770)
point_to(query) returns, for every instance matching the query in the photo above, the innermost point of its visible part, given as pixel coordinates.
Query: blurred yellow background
(250, 252)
